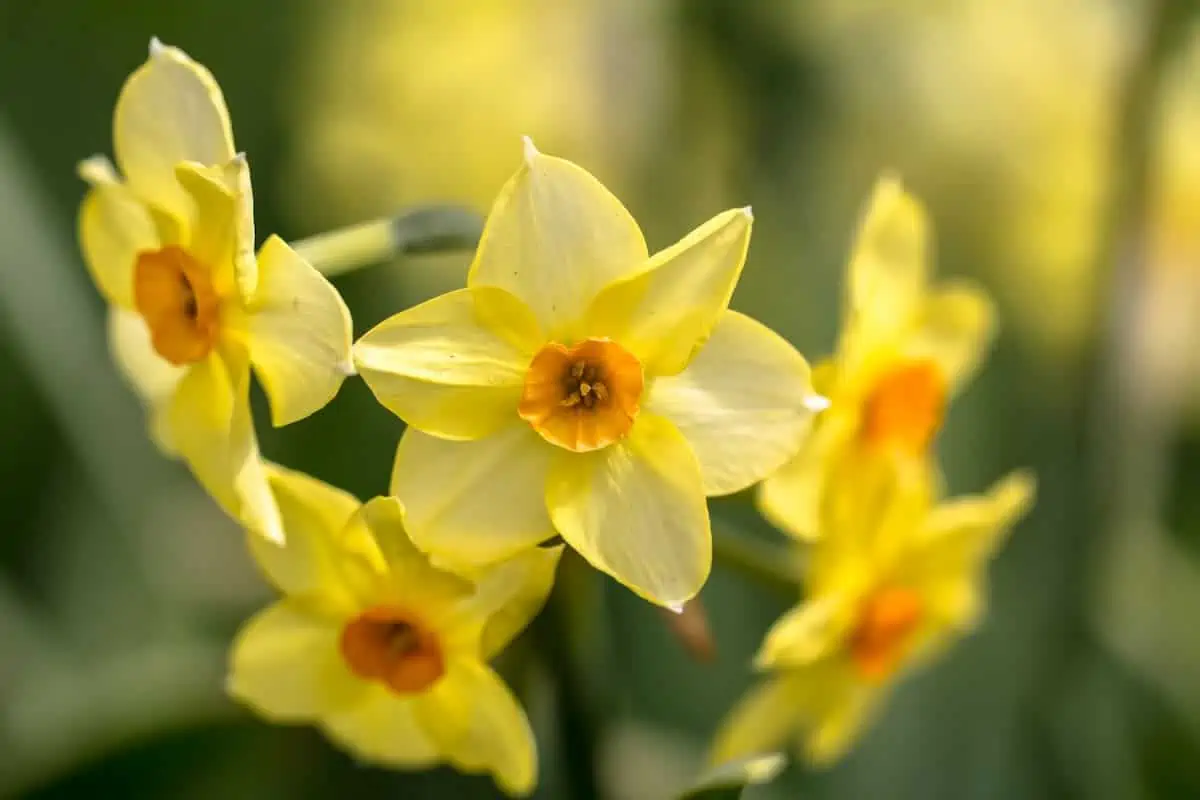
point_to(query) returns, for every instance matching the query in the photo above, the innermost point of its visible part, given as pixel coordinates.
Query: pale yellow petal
(474, 502)
(151, 376)
(842, 707)
(286, 664)
(745, 403)
(888, 266)
(381, 729)
(636, 511)
(509, 594)
(114, 227)
(479, 725)
(442, 369)
(809, 632)
(554, 238)
(314, 515)
(954, 329)
(221, 234)
(211, 427)
(666, 312)
(169, 111)
(763, 721)
(298, 332)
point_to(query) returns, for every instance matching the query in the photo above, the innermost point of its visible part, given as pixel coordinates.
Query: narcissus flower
(171, 247)
(894, 580)
(386, 653)
(904, 351)
(580, 386)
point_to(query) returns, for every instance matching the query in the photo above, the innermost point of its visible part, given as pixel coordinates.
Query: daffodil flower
(905, 350)
(383, 651)
(895, 579)
(171, 247)
(579, 385)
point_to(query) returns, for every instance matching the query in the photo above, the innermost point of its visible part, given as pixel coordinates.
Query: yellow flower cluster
(579, 388)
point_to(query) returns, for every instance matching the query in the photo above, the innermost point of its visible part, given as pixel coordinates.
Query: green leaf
(726, 781)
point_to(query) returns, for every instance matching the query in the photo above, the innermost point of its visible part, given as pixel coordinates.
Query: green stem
(762, 562)
(431, 229)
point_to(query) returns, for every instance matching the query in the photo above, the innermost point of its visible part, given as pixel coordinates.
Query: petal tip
(347, 368)
(748, 212)
(816, 403)
(157, 48)
(529, 150)
(676, 608)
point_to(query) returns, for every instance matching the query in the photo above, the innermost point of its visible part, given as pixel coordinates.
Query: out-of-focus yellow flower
(896, 579)
(386, 653)
(580, 385)
(905, 349)
(171, 247)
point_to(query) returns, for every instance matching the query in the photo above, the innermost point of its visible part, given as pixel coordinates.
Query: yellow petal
(887, 269)
(210, 425)
(745, 403)
(114, 226)
(221, 234)
(474, 502)
(810, 631)
(169, 111)
(151, 376)
(843, 708)
(636, 511)
(664, 313)
(479, 725)
(509, 594)
(954, 329)
(411, 580)
(763, 721)
(287, 666)
(554, 237)
(297, 330)
(314, 515)
(382, 729)
(441, 369)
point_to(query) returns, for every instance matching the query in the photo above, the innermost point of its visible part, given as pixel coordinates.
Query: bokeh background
(1058, 147)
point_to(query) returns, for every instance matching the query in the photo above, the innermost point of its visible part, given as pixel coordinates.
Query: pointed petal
(222, 231)
(744, 403)
(764, 720)
(114, 226)
(169, 111)
(287, 666)
(478, 723)
(554, 237)
(810, 631)
(955, 328)
(636, 511)
(298, 332)
(666, 312)
(382, 729)
(474, 502)
(314, 515)
(210, 425)
(443, 369)
(888, 266)
(843, 707)
(510, 594)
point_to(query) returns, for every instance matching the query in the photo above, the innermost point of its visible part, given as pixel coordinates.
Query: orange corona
(174, 294)
(391, 646)
(905, 408)
(886, 621)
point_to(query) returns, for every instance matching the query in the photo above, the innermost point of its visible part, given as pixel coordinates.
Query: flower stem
(429, 229)
(760, 561)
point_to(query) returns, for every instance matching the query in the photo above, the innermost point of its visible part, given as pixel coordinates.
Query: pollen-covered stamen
(906, 407)
(583, 397)
(390, 645)
(881, 637)
(175, 296)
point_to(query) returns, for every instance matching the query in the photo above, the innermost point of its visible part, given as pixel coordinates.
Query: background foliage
(1058, 145)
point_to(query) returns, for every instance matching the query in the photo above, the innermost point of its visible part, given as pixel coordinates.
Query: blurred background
(1058, 147)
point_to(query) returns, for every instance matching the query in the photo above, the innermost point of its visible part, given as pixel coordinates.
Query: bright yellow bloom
(171, 247)
(895, 580)
(386, 653)
(580, 385)
(905, 349)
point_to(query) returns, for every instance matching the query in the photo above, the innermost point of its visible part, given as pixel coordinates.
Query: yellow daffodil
(580, 386)
(386, 653)
(905, 350)
(895, 579)
(171, 247)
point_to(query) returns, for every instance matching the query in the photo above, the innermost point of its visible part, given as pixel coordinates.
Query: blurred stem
(762, 562)
(430, 229)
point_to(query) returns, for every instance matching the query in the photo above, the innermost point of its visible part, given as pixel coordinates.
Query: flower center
(584, 397)
(906, 407)
(174, 294)
(885, 622)
(388, 645)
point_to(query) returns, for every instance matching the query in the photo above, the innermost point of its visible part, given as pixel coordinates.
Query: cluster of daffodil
(579, 389)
